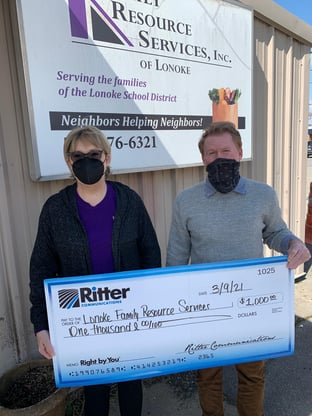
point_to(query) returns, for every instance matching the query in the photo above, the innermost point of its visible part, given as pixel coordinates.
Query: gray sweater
(208, 226)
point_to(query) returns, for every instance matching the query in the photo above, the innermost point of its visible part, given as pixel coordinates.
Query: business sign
(138, 324)
(151, 74)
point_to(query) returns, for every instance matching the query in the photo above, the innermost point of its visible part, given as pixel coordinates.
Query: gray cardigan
(61, 247)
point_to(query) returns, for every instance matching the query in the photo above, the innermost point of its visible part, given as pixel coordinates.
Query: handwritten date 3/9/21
(231, 287)
(133, 143)
(227, 287)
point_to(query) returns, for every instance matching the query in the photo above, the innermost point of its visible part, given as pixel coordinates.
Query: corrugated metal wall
(281, 79)
(281, 98)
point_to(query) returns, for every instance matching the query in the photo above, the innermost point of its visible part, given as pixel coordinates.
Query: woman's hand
(44, 344)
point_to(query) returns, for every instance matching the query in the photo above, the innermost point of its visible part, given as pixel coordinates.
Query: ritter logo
(99, 26)
(68, 298)
(74, 298)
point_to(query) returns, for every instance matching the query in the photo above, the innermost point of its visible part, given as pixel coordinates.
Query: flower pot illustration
(225, 112)
(224, 104)
(52, 405)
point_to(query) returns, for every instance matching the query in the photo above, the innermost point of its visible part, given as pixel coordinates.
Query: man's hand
(297, 254)
(44, 344)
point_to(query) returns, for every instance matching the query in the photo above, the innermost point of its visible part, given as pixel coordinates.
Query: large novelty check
(129, 325)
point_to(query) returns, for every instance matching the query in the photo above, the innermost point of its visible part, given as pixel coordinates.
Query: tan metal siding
(281, 74)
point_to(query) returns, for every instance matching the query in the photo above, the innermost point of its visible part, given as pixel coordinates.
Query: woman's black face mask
(223, 174)
(88, 170)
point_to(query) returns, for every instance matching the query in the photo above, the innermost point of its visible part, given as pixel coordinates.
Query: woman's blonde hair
(90, 134)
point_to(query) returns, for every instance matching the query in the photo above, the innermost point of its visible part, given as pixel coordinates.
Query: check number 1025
(264, 271)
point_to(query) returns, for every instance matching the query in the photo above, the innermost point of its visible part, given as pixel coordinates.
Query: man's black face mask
(223, 174)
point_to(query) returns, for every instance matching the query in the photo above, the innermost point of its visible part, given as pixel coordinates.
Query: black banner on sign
(111, 121)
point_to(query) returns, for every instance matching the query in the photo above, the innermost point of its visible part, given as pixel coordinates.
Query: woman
(93, 226)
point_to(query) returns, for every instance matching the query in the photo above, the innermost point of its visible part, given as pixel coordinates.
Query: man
(229, 217)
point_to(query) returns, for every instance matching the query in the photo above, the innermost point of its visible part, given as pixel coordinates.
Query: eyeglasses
(93, 154)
